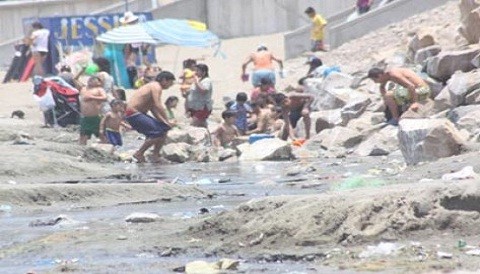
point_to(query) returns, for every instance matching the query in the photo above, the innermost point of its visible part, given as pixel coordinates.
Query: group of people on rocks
(105, 110)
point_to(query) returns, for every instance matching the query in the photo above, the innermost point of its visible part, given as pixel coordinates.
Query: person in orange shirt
(318, 29)
(263, 66)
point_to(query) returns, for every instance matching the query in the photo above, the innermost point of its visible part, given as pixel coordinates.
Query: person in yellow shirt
(318, 27)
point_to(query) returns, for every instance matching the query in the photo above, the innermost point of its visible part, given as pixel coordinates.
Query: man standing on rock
(408, 91)
(148, 98)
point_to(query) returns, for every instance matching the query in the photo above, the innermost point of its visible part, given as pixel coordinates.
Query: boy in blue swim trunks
(112, 121)
(148, 98)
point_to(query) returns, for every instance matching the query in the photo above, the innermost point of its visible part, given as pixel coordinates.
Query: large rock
(380, 143)
(462, 84)
(443, 101)
(176, 152)
(466, 117)
(473, 98)
(333, 92)
(189, 135)
(266, 149)
(428, 139)
(445, 64)
(422, 39)
(354, 109)
(470, 16)
(422, 55)
(335, 137)
(320, 120)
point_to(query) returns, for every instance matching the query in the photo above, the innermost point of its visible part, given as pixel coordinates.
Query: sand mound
(351, 217)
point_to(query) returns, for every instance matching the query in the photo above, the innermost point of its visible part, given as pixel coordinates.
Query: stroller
(59, 101)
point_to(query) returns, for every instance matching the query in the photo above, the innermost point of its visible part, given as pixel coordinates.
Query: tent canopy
(163, 31)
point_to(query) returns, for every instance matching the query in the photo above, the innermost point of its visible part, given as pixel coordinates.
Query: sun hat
(128, 17)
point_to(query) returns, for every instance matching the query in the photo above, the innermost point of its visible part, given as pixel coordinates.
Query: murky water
(233, 183)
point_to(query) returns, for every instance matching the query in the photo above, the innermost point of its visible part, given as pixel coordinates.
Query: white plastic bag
(46, 102)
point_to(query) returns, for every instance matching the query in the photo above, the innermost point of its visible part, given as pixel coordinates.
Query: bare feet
(138, 158)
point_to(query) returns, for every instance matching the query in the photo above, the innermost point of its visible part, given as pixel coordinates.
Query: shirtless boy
(91, 99)
(226, 133)
(112, 121)
(148, 98)
(409, 90)
(264, 118)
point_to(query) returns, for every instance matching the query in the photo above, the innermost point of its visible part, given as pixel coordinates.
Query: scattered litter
(444, 255)
(122, 237)
(224, 180)
(5, 208)
(142, 217)
(473, 252)
(197, 267)
(257, 240)
(11, 182)
(464, 174)
(357, 182)
(204, 181)
(203, 210)
(52, 222)
(382, 249)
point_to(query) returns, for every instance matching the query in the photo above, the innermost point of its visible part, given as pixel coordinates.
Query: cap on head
(128, 18)
(261, 47)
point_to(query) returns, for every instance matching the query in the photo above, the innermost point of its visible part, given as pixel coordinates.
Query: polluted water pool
(25, 246)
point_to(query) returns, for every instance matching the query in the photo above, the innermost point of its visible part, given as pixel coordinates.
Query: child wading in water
(112, 121)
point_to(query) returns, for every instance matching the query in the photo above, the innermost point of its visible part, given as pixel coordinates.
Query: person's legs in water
(307, 122)
(140, 153)
(156, 148)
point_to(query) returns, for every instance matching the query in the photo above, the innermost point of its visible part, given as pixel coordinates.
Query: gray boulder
(428, 139)
(470, 16)
(335, 137)
(423, 54)
(176, 152)
(466, 117)
(380, 143)
(265, 150)
(445, 64)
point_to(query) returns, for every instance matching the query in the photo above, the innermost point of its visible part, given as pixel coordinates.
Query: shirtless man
(148, 99)
(265, 120)
(298, 103)
(92, 97)
(409, 90)
(226, 133)
(263, 66)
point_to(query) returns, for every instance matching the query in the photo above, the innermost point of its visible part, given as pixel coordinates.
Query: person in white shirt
(38, 41)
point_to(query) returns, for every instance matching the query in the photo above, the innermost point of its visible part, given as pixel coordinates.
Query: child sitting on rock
(227, 132)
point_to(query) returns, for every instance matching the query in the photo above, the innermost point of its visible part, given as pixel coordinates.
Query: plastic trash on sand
(358, 182)
(382, 249)
(464, 174)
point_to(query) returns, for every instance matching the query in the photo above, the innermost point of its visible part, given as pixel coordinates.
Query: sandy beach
(67, 208)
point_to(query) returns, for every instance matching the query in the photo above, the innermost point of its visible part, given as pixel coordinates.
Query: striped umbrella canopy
(163, 31)
(127, 35)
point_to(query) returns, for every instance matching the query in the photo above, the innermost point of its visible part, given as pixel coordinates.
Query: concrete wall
(234, 18)
(339, 31)
(189, 9)
(391, 13)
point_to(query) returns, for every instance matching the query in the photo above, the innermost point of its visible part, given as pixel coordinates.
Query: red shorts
(201, 114)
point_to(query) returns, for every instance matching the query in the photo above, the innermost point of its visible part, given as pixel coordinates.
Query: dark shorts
(114, 137)
(202, 114)
(90, 125)
(294, 116)
(147, 125)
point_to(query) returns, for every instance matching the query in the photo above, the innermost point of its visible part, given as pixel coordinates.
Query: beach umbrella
(179, 32)
(127, 35)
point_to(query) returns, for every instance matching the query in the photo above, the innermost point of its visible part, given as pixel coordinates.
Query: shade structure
(127, 35)
(163, 31)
